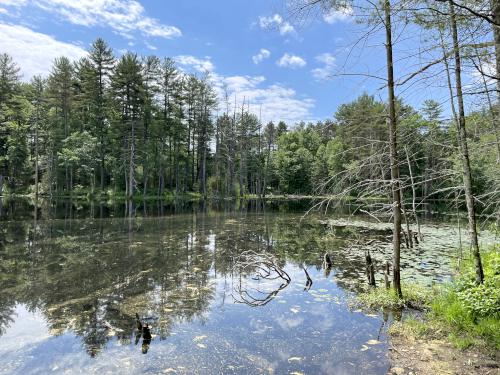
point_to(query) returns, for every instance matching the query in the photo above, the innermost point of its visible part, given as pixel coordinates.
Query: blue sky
(254, 48)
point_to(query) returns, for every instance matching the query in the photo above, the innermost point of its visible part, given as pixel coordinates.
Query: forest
(139, 126)
(204, 222)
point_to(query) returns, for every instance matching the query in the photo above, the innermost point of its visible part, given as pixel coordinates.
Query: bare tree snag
(396, 196)
(464, 151)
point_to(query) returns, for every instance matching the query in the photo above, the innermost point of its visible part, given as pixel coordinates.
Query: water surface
(73, 279)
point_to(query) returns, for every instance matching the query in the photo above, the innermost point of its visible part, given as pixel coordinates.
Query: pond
(73, 279)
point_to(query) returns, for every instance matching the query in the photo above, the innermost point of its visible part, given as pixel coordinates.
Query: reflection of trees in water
(92, 276)
(88, 282)
(13, 268)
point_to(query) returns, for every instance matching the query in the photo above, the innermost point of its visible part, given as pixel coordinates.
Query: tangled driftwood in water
(260, 290)
(309, 281)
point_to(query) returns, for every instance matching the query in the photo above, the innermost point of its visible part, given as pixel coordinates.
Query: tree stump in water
(370, 269)
(387, 274)
(327, 262)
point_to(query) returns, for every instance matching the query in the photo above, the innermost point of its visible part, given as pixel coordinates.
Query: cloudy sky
(287, 68)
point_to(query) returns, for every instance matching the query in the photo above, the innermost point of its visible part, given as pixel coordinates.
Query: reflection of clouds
(28, 329)
(181, 276)
(330, 367)
(259, 327)
(323, 319)
(287, 323)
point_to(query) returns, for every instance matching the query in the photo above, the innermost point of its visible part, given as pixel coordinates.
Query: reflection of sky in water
(178, 271)
(309, 332)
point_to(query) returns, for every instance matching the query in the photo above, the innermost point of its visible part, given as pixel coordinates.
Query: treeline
(140, 126)
(348, 155)
(129, 124)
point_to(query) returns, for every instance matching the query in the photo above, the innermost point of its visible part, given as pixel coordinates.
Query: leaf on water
(169, 370)
(294, 359)
(199, 338)
(364, 347)
(202, 346)
(295, 310)
(296, 373)
(322, 290)
(373, 342)
(196, 269)
(372, 315)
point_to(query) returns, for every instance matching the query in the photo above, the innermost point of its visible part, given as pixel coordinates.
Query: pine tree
(101, 56)
(9, 80)
(128, 93)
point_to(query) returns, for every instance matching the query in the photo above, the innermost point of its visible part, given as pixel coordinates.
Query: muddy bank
(437, 357)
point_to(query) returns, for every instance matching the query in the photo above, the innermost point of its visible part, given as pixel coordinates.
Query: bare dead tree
(464, 150)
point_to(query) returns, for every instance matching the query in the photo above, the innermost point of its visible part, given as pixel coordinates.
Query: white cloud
(325, 72)
(276, 22)
(291, 61)
(35, 52)
(344, 13)
(241, 83)
(262, 55)
(277, 101)
(17, 3)
(123, 16)
(201, 65)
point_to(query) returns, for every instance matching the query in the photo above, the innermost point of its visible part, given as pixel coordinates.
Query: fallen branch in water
(266, 268)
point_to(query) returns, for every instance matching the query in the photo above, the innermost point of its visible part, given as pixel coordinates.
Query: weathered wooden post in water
(370, 269)
(387, 273)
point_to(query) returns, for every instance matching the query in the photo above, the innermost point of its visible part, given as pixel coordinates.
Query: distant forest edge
(138, 126)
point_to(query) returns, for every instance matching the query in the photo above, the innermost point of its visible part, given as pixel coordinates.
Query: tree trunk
(36, 162)
(462, 138)
(414, 194)
(131, 162)
(396, 197)
(102, 168)
(495, 10)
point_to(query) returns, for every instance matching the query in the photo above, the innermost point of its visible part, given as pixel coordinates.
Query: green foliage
(468, 313)
(141, 126)
(414, 296)
(481, 300)
(295, 159)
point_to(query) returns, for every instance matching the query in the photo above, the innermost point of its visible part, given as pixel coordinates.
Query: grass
(463, 313)
(414, 296)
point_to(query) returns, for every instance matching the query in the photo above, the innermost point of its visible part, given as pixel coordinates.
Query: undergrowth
(465, 313)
